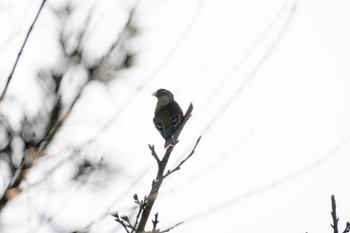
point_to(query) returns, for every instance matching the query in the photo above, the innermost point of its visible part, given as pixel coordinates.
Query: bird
(167, 115)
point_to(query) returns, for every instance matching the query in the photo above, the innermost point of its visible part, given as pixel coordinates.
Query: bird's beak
(154, 94)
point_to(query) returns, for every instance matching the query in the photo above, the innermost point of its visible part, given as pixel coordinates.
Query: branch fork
(149, 200)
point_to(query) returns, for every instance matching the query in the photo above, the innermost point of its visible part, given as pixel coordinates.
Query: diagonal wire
(248, 54)
(274, 184)
(254, 71)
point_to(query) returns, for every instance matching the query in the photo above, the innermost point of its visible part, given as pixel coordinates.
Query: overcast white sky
(270, 84)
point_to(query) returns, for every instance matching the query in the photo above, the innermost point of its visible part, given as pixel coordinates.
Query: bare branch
(334, 216)
(347, 228)
(154, 154)
(147, 204)
(156, 184)
(336, 219)
(155, 222)
(60, 121)
(178, 167)
(142, 205)
(21, 50)
(169, 229)
(120, 221)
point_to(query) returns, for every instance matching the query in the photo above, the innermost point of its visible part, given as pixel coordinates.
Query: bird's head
(163, 93)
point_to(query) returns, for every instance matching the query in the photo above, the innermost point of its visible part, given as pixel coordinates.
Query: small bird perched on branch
(167, 116)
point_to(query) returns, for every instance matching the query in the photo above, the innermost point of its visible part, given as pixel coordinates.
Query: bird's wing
(175, 121)
(158, 126)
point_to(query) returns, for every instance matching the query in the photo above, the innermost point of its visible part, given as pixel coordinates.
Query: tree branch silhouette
(336, 219)
(147, 204)
(55, 116)
(20, 51)
(156, 184)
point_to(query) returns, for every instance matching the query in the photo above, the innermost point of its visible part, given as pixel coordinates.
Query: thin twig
(155, 222)
(183, 161)
(169, 229)
(154, 154)
(21, 50)
(347, 228)
(142, 205)
(60, 121)
(334, 216)
(120, 221)
(336, 219)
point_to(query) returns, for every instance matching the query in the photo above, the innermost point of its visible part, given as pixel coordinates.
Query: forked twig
(155, 222)
(147, 204)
